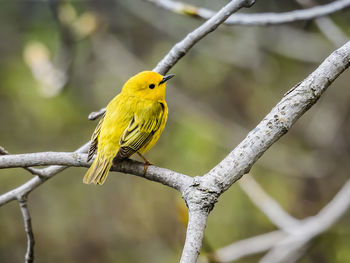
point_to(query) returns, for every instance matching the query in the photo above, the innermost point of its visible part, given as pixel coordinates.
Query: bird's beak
(166, 78)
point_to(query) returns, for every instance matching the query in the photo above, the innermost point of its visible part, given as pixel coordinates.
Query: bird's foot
(147, 163)
(146, 167)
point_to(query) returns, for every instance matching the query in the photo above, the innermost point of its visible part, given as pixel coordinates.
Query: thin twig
(262, 19)
(29, 256)
(288, 249)
(326, 25)
(249, 246)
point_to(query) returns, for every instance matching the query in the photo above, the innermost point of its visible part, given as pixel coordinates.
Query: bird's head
(147, 85)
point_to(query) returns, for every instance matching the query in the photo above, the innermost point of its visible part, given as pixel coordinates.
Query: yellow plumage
(133, 122)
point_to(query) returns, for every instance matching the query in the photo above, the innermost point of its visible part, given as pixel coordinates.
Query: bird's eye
(151, 86)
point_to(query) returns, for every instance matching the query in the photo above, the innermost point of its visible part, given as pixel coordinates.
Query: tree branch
(288, 249)
(30, 185)
(29, 257)
(32, 170)
(195, 231)
(262, 19)
(326, 25)
(268, 205)
(249, 246)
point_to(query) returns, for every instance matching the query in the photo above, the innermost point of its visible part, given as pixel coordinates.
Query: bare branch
(96, 114)
(29, 257)
(326, 25)
(32, 170)
(43, 158)
(195, 231)
(262, 19)
(268, 205)
(33, 183)
(331, 31)
(249, 246)
(164, 176)
(288, 249)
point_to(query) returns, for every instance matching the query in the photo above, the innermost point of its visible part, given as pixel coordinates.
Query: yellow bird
(132, 123)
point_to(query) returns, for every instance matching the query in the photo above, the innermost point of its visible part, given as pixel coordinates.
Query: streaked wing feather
(94, 139)
(138, 133)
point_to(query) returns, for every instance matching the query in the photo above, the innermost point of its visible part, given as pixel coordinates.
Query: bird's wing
(94, 139)
(140, 131)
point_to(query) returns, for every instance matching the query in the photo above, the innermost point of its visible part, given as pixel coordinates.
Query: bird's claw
(147, 164)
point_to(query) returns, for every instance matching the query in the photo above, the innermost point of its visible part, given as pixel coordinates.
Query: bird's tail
(98, 170)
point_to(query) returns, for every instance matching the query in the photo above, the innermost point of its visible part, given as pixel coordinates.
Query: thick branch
(195, 231)
(281, 118)
(262, 19)
(29, 257)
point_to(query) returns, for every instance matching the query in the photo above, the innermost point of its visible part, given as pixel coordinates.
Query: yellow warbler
(132, 123)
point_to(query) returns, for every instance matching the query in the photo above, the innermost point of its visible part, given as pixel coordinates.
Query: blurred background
(61, 60)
